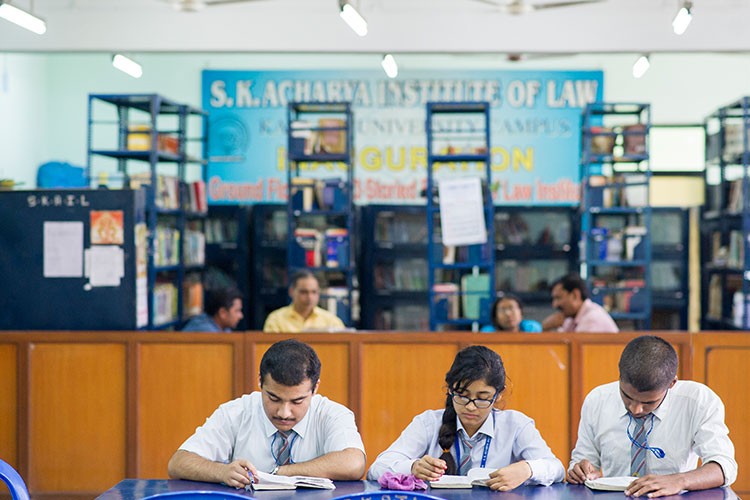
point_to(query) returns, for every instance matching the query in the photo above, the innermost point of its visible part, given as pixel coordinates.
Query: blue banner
(535, 127)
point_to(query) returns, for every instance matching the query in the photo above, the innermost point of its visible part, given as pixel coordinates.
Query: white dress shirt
(513, 438)
(689, 424)
(241, 429)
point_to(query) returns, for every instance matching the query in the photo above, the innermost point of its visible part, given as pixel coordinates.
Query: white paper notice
(106, 265)
(462, 211)
(63, 249)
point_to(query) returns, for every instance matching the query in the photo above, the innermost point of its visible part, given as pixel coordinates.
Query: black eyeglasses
(478, 402)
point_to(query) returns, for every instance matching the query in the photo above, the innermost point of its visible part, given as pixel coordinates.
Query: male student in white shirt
(679, 423)
(285, 428)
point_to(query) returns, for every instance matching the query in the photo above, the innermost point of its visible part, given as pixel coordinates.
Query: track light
(127, 65)
(641, 66)
(389, 66)
(353, 18)
(22, 18)
(683, 18)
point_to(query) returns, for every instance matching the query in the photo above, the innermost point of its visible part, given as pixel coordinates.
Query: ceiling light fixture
(641, 66)
(389, 66)
(353, 18)
(127, 65)
(22, 18)
(683, 17)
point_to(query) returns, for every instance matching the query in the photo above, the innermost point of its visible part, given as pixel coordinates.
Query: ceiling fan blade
(540, 6)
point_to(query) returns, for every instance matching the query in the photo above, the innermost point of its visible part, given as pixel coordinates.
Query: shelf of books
(394, 270)
(320, 210)
(145, 141)
(670, 250)
(534, 246)
(460, 215)
(725, 224)
(615, 210)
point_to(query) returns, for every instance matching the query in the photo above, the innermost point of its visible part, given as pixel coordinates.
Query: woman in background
(507, 316)
(469, 432)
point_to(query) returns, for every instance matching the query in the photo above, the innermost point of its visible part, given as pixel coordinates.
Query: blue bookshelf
(320, 208)
(461, 278)
(615, 210)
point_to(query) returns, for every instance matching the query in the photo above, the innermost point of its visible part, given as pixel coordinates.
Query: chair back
(388, 495)
(15, 484)
(197, 495)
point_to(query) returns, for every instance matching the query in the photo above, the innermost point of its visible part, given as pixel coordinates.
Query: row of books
(220, 230)
(328, 135)
(474, 294)
(390, 228)
(732, 255)
(618, 245)
(614, 191)
(631, 140)
(316, 249)
(532, 228)
(140, 139)
(318, 194)
(164, 302)
(170, 191)
(623, 301)
(403, 274)
(166, 246)
(528, 276)
(408, 317)
(736, 196)
(194, 248)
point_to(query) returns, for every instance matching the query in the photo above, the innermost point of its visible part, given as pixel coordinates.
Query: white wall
(43, 106)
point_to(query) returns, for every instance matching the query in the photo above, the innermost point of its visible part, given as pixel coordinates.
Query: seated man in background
(285, 428)
(223, 308)
(576, 312)
(653, 426)
(303, 313)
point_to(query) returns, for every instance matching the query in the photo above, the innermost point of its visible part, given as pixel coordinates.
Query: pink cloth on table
(406, 482)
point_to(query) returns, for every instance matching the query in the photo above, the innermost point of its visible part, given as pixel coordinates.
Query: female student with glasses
(470, 432)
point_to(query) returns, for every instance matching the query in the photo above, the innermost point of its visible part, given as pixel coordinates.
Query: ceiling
(397, 26)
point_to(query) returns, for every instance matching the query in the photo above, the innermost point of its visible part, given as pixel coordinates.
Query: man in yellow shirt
(303, 313)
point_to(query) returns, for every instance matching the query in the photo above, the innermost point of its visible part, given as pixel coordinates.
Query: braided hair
(471, 364)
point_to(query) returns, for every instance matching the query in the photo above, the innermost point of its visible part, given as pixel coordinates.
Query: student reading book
(470, 433)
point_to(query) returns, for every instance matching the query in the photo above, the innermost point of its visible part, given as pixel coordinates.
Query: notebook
(475, 477)
(266, 481)
(619, 483)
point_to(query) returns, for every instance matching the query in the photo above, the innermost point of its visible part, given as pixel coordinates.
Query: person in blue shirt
(223, 308)
(507, 316)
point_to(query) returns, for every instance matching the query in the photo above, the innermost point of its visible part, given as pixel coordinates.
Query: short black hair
(217, 298)
(571, 282)
(503, 296)
(301, 274)
(290, 362)
(648, 363)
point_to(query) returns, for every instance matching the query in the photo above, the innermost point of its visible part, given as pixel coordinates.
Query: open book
(619, 483)
(266, 481)
(475, 477)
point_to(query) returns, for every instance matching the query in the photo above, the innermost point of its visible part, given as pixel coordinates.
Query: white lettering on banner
(57, 200)
(573, 94)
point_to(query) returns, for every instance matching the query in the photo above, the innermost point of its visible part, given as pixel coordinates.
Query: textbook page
(266, 481)
(475, 477)
(618, 483)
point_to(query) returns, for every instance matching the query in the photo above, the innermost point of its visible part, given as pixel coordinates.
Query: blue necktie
(466, 447)
(637, 453)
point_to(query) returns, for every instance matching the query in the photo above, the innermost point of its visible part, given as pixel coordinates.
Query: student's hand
(553, 321)
(582, 471)
(653, 486)
(238, 474)
(428, 468)
(510, 477)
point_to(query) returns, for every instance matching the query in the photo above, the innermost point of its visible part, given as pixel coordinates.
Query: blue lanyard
(275, 458)
(487, 441)
(658, 452)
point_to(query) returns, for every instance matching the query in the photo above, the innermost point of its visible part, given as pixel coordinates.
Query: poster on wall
(535, 131)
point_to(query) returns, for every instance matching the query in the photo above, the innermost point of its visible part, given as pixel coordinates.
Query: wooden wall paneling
(77, 420)
(179, 386)
(334, 360)
(8, 407)
(719, 361)
(399, 381)
(538, 386)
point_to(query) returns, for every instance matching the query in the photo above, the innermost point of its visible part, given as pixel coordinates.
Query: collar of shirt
(299, 317)
(660, 413)
(300, 427)
(487, 428)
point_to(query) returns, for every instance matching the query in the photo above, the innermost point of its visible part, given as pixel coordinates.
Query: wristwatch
(275, 470)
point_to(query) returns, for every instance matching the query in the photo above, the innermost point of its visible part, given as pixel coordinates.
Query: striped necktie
(466, 447)
(282, 447)
(637, 453)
